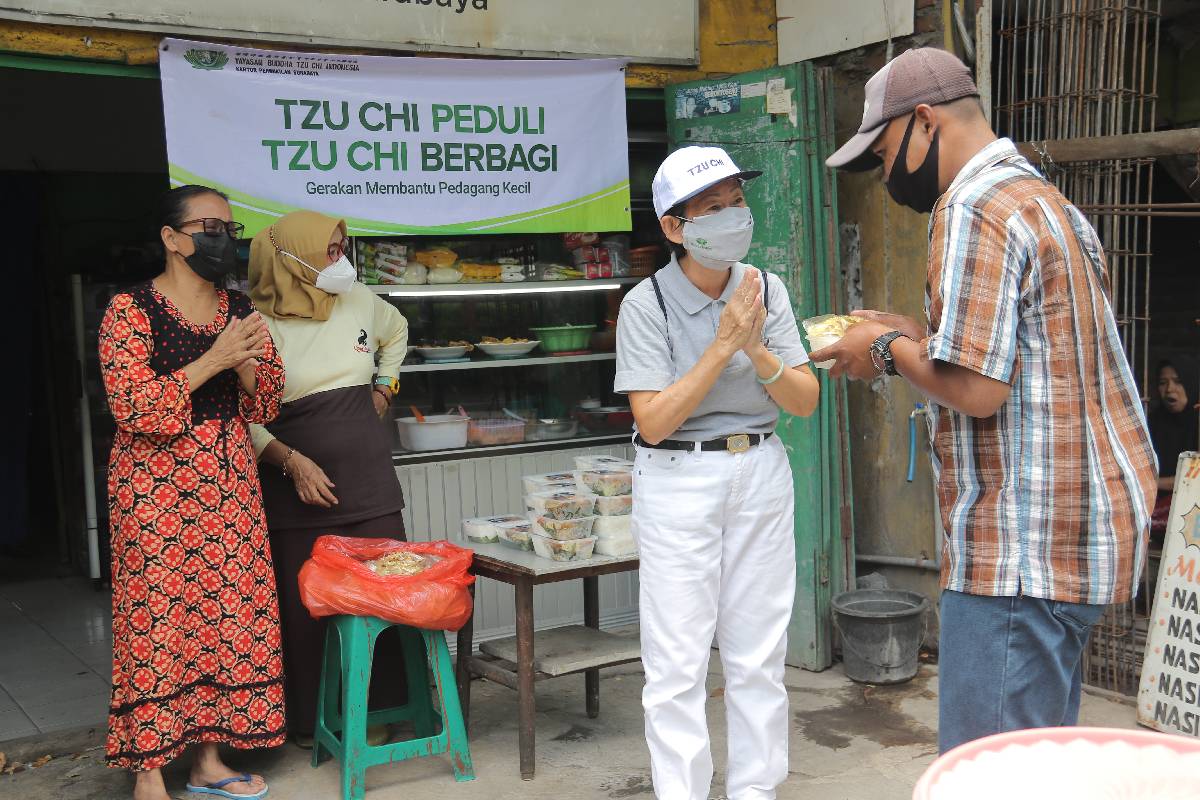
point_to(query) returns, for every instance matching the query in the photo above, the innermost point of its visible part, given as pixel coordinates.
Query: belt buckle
(739, 443)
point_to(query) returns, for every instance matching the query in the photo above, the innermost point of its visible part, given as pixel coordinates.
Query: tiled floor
(55, 656)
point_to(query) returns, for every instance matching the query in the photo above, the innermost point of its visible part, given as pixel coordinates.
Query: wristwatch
(881, 352)
(392, 384)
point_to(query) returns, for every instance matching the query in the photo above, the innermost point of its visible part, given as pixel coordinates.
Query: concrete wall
(884, 248)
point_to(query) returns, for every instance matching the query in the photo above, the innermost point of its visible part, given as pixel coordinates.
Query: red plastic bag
(336, 581)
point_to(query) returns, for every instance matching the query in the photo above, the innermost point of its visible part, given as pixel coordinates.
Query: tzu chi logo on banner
(401, 145)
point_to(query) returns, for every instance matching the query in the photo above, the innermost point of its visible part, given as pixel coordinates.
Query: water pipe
(912, 440)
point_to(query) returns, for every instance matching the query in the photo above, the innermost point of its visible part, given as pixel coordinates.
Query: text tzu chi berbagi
(379, 154)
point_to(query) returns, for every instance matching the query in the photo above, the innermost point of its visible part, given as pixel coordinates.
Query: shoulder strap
(662, 305)
(766, 290)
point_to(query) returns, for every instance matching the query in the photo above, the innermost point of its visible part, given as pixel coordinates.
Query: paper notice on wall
(779, 97)
(1169, 694)
(758, 89)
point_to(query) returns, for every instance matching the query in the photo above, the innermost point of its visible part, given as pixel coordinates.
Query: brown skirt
(304, 637)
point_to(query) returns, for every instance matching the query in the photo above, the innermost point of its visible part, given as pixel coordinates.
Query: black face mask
(215, 256)
(917, 189)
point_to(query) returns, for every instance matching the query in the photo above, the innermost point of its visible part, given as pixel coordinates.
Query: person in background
(186, 365)
(329, 452)
(1173, 429)
(709, 353)
(1043, 461)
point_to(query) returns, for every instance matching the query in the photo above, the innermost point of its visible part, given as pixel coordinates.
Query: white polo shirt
(654, 351)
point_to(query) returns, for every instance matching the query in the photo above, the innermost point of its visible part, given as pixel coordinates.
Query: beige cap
(926, 75)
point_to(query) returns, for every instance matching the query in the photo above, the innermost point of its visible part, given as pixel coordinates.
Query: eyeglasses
(214, 226)
(336, 251)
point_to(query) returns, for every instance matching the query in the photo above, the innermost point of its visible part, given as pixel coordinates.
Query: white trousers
(715, 533)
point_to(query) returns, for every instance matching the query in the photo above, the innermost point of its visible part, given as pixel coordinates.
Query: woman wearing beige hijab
(327, 460)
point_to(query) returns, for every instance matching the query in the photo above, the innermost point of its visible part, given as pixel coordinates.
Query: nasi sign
(401, 145)
(1169, 695)
(662, 31)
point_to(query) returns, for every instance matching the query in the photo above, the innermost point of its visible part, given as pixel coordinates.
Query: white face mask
(337, 278)
(720, 240)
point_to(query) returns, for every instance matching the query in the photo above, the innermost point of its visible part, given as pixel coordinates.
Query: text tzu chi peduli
(301, 151)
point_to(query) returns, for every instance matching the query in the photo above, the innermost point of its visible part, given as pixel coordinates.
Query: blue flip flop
(219, 791)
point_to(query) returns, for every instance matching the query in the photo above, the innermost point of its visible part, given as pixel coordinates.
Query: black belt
(738, 443)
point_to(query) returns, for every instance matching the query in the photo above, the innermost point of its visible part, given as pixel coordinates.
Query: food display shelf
(494, 363)
(524, 287)
(401, 457)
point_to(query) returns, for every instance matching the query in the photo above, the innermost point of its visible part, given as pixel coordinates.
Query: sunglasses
(215, 227)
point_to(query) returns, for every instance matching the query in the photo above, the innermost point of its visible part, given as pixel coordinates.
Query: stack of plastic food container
(561, 517)
(610, 479)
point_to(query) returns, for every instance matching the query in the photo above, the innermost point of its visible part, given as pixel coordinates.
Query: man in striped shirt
(1044, 467)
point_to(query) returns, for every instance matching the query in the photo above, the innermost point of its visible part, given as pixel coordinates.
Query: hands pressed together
(742, 320)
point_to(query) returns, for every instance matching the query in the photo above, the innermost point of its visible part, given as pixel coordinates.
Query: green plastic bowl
(564, 338)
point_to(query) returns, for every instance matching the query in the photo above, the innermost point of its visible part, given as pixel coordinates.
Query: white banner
(659, 31)
(401, 145)
(1169, 697)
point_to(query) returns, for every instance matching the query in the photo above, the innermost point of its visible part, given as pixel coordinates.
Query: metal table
(565, 651)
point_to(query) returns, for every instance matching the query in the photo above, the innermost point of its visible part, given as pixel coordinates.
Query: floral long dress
(196, 641)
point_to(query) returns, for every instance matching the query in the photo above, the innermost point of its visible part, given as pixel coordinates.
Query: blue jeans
(1008, 663)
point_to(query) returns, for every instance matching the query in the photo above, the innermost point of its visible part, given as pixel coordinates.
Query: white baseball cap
(689, 171)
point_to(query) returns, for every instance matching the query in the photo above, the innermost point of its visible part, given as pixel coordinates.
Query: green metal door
(796, 238)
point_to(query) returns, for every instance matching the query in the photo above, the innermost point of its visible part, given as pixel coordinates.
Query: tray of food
(544, 430)
(490, 432)
(606, 419)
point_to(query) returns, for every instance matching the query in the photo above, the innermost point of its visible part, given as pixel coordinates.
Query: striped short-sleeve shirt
(1051, 496)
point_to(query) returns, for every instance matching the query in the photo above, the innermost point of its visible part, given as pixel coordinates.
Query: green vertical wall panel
(796, 238)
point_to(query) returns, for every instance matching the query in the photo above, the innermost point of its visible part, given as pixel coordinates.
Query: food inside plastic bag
(344, 576)
(830, 325)
(400, 563)
(436, 257)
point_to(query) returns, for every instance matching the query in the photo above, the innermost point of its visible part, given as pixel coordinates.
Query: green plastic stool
(345, 676)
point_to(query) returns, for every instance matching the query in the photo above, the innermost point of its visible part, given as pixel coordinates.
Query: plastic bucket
(881, 633)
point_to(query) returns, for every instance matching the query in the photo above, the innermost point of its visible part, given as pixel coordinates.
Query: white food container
(561, 505)
(517, 535)
(606, 482)
(551, 482)
(602, 462)
(612, 527)
(616, 506)
(563, 530)
(616, 546)
(511, 350)
(820, 341)
(483, 530)
(557, 550)
(437, 432)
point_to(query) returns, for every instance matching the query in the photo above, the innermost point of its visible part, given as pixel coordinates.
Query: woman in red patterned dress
(196, 643)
